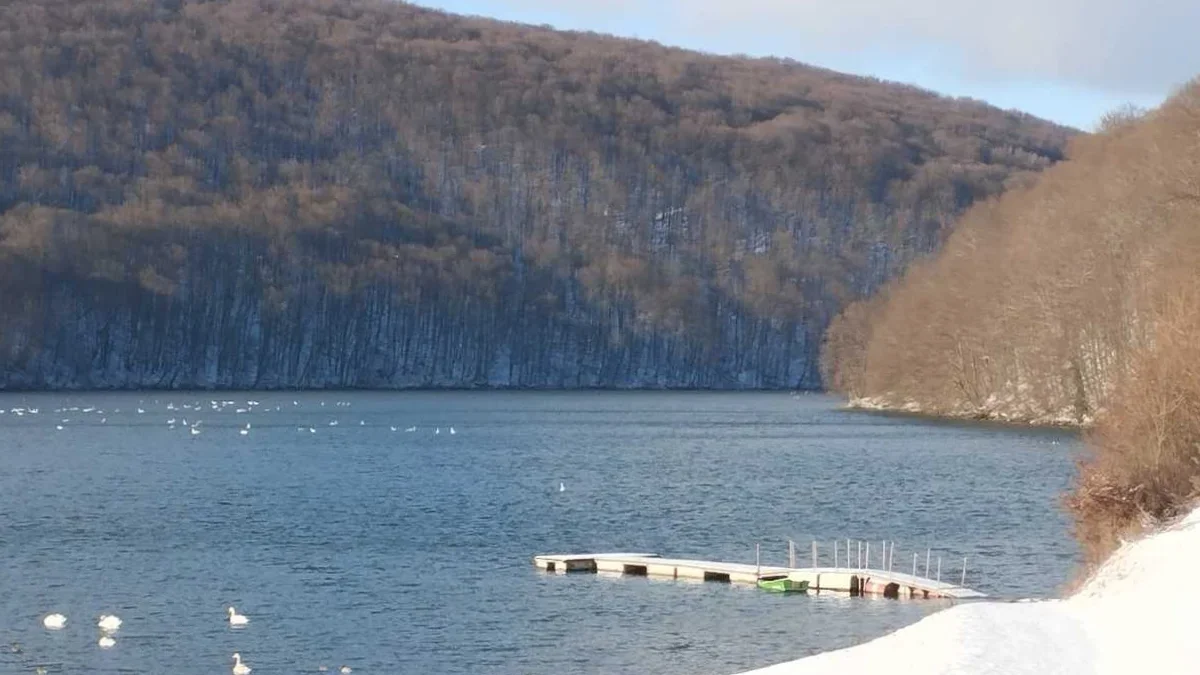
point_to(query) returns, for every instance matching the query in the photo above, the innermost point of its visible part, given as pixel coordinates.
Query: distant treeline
(317, 193)
(1076, 299)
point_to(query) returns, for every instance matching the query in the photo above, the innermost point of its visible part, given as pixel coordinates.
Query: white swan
(411, 429)
(239, 668)
(109, 623)
(106, 642)
(236, 619)
(393, 428)
(437, 431)
(195, 431)
(54, 621)
(452, 431)
(345, 670)
(562, 487)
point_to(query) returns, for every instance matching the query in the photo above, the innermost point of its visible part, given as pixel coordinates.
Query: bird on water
(109, 623)
(239, 668)
(236, 619)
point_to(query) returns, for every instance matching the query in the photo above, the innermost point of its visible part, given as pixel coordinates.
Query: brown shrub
(1145, 463)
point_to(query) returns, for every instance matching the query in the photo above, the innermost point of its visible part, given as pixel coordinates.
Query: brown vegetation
(367, 193)
(1147, 468)
(1074, 299)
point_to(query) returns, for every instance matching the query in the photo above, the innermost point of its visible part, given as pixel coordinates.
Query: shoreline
(1129, 616)
(880, 406)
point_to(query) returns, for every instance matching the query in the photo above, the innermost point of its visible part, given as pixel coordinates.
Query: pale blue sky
(1066, 60)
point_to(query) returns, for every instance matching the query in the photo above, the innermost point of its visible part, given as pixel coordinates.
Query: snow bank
(1133, 616)
(1009, 409)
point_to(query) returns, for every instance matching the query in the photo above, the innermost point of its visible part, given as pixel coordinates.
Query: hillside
(360, 193)
(1076, 299)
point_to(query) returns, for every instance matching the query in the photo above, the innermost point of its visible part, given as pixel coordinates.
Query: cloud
(1133, 46)
(1136, 47)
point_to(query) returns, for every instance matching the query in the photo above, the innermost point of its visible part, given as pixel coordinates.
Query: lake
(346, 542)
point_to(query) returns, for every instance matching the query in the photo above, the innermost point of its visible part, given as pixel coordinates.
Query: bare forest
(360, 193)
(1075, 300)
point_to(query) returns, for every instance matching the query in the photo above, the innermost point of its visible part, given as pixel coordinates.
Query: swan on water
(54, 621)
(106, 642)
(437, 431)
(411, 429)
(239, 668)
(195, 431)
(393, 428)
(236, 619)
(452, 431)
(345, 670)
(562, 487)
(109, 622)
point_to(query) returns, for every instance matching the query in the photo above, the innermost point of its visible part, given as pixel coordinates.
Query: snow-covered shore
(1134, 616)
(1008, 411)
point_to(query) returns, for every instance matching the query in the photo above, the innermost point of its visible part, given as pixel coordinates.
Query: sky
(1070, 61)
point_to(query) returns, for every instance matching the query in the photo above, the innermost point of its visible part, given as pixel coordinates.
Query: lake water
(410, 551)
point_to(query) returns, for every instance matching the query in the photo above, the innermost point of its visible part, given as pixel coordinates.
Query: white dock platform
(855, 581)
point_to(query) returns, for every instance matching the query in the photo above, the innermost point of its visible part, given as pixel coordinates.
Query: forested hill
(1076, 299)
(357, 193)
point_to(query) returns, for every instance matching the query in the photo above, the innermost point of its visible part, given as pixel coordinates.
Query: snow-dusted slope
(1136, 615)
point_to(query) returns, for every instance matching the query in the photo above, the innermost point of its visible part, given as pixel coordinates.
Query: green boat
(782, 584)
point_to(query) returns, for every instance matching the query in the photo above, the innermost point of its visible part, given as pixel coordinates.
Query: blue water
(410, 552)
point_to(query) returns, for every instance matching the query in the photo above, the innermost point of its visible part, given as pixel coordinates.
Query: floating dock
(854, 581)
